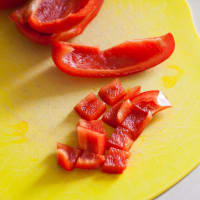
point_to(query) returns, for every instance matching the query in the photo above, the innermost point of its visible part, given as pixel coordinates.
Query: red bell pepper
(124, 59)
(59, 15)
(112, 93)
(110, 117)
(137, 121)
(20, 18)
(67, 156)
(91, 141)
(90, 108)
(116, 161)
(95, 125)
(133, 92)
(124, 111)
(154, 101)
(120, 139)
(6, 4)
(78, 29)
(90, 160)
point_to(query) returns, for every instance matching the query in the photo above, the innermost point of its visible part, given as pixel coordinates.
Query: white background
(189, 187)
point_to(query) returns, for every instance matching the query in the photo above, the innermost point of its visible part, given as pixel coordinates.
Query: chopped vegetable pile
(53, 22)
(129, 115)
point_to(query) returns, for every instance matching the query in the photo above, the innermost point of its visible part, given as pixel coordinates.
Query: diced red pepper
(7, 4)
(120, 139)
(136, 121)
(154, 101)
(124, 59)
(58, 15)
(91, 141)
(124, 110)
(19, 17)
(110, 117)
(90, 108)
(67, 156)
(95, 125)
(116, 161)
(133, 92)
(90, 160)
(112, 93)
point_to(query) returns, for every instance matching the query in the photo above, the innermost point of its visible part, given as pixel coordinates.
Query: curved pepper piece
(58, 15)
(7, 4)
(154, 101)
(127, 58)
(19, 17)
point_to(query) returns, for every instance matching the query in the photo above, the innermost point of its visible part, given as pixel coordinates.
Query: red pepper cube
(110, 117)
(91, 141)
(132, 93)
(112, 93)
(116, 161)
(120, 139)
(136, 121)
(124, 110)
(90, 108)
(67, 156)
(94, 125)
(90, 160)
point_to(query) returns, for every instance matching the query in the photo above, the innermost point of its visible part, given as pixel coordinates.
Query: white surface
(189, 187)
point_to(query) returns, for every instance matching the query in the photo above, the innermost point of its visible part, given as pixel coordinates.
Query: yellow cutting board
(36, 103)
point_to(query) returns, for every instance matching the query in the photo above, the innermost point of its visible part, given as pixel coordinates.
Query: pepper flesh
(124, 59)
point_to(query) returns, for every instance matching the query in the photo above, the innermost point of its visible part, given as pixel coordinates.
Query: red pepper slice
(6, 4)
(67, 156)
(124, 59)
(112, 93)
(59, 15)
(90, 160)
(19, 17)
(116, 161)
(154, 101)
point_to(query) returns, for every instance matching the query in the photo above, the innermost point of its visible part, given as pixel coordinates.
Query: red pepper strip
(58, 15)
(124, 59)
(19, 18)
(6, 4)
(154, 101)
